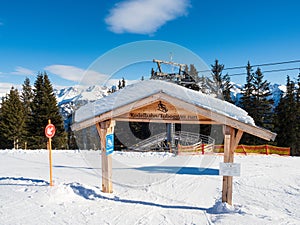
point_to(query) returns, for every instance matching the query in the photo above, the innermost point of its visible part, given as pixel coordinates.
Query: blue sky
(66, 37)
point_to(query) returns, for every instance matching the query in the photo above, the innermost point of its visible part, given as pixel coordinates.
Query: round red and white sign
(50, 130)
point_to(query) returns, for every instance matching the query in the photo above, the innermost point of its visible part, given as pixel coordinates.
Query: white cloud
(76, 74)
(66, 72)
(23, 71)
(144, 16)
(5, 88)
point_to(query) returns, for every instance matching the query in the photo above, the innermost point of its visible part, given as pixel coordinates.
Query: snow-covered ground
(149, 188)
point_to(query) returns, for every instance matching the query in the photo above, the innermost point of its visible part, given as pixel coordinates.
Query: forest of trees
(23, 117)
(283, 119)
(24, 114)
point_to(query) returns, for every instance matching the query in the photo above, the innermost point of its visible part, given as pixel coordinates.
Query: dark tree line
(287, 119)
(23, 117)
(284, 119)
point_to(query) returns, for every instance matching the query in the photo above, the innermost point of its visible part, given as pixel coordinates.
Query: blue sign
(109, 144)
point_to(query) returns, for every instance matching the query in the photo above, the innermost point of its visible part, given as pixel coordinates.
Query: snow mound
(223, 207)
(22, 181)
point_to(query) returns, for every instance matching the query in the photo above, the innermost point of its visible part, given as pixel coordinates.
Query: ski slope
(149, 188)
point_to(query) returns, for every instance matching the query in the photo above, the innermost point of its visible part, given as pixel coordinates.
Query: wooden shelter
(164, 102)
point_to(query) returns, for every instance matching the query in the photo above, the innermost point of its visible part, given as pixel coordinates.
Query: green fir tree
(297, 145)
(12, 120)
(44, 107)
(257, 102)
(222, 82)
(246, 101)
(286, 119)
(26, 98)
(262, 112)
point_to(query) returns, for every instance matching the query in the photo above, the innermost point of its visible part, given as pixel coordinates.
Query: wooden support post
(231, 141)
(104, 128)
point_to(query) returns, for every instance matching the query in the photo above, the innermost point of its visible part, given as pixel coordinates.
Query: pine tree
(227, 88)
(262, 103)
(246, 101)
(217, 77)
(60, 139)
(193, 71)
(297, 145)
(37, 119)
(12, 121)
(44, 107)
(286, 119)
(26, 98)
(257, 102)
(223, 86)
(194, 74)
(27, 95)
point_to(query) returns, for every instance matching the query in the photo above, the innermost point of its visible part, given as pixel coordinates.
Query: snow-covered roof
(144, 89)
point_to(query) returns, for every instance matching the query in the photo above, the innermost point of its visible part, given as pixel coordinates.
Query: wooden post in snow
(231, 141)
(105, 128)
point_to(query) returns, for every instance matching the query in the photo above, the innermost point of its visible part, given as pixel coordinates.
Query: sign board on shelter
(230, 169)
(109, 144)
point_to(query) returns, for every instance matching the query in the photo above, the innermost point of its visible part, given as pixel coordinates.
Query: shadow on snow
(90, 194)
(180, 170)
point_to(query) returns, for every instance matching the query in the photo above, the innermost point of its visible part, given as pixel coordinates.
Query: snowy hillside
(67, 98)
(149, 188)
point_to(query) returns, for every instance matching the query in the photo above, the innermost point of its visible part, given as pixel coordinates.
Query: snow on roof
(143, 89)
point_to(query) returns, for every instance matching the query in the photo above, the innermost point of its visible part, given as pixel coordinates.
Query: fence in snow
(243, 149)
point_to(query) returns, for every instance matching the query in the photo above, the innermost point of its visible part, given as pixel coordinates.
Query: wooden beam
(236, 139)
(231, 140)
(104, 128)
(225, 187)
(167, 121)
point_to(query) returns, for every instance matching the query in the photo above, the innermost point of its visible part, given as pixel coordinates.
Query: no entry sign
(50, 130)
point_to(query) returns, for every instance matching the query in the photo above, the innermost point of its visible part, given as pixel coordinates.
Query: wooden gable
(162, 111)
